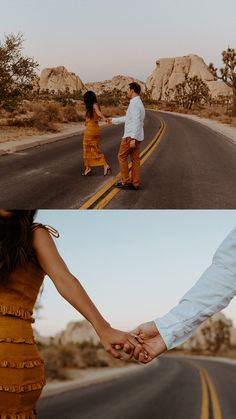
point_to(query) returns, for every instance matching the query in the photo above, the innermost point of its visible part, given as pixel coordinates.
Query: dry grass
(214, 112)
(32, 118)
(110, 111)
(43, 116)
(59, 358)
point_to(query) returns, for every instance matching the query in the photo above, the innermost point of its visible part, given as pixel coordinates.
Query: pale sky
(135, 265)
(100, 39)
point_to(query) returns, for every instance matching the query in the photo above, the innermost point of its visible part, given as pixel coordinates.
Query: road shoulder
(88, 377)
(227, 131)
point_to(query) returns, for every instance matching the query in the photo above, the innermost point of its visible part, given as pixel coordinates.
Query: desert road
(170, 388)
(185, 165)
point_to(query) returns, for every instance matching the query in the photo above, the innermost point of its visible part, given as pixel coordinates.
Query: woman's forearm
(71, 289)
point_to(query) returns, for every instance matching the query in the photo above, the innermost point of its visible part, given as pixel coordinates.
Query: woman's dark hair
(15, 241)
(89, 100)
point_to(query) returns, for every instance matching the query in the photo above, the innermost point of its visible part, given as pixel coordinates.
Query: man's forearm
(213, 292)
(118, 120)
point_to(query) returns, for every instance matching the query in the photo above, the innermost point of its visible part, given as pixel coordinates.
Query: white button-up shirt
(213, 292)
(134, 119)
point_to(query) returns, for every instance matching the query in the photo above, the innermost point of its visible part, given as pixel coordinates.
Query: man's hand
(132, 143)
(151, 340)
(109, 121)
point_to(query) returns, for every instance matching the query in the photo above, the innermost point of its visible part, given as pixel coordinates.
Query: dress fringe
(18, 340)
(23, 364)
(17, 312)
(31, 414)
(23, 389)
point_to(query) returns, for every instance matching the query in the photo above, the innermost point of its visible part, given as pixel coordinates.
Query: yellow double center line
(210, 402)
(101, 198)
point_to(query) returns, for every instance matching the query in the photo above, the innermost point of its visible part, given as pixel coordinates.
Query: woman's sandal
(108, 170)
(87, 172)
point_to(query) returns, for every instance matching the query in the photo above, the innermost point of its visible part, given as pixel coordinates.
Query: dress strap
(50, 229)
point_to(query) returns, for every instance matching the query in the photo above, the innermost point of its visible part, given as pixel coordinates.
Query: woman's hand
(114, 340)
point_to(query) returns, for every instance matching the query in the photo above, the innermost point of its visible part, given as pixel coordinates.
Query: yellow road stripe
(214, 398)
(154, 143)
(205, 397)
(110, 195)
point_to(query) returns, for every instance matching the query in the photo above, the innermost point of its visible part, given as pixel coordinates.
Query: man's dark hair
(135, 87)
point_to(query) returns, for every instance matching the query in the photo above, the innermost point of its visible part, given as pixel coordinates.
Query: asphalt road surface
(49, 176)
(191, 168)
(170, 388)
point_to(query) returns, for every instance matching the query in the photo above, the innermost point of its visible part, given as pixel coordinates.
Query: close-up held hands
(115, 341)
(143, 344)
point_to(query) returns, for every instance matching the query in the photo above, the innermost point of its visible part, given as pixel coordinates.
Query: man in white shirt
(132, 138)
(211, 293)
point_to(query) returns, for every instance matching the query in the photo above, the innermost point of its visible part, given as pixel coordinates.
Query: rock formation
(118, 82)
(217, 333)
(167, 74)
(171, 71)
(59, 79)
(77, 332)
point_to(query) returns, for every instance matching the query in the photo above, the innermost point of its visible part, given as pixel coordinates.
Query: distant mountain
(167, 74)
(118, 82)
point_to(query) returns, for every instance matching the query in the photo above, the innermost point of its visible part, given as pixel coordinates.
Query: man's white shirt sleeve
(118, 120)
(212, 292)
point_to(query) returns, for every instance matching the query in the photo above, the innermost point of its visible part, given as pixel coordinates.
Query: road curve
(192, 167)
(170, 388)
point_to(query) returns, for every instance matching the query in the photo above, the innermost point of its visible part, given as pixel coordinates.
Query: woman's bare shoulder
(36, 227)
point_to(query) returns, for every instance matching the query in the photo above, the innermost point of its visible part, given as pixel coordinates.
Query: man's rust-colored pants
(124, 152)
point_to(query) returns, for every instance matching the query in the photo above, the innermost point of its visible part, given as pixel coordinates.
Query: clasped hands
(143, 343)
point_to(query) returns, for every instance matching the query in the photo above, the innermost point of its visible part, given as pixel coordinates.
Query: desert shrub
(90, 357)
(53, 111)
(71, 114)
(213, 113)
(113, 110)
(114, 97)
(53, 373)
(39, 120)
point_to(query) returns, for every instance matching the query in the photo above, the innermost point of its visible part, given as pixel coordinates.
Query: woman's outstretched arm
(71, 290)
(99, 112)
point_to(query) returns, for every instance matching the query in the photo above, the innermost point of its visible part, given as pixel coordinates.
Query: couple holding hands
(130, 143)
(28, 253)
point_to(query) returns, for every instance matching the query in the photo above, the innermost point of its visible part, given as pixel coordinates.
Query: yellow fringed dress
(91, 151)
(21, 368)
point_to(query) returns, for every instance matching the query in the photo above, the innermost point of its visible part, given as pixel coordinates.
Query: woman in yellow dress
(91, 151)
(27, 254)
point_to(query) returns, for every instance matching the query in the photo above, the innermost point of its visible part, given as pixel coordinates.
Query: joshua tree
(17, 73)
(228, 73)
(192, 91)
